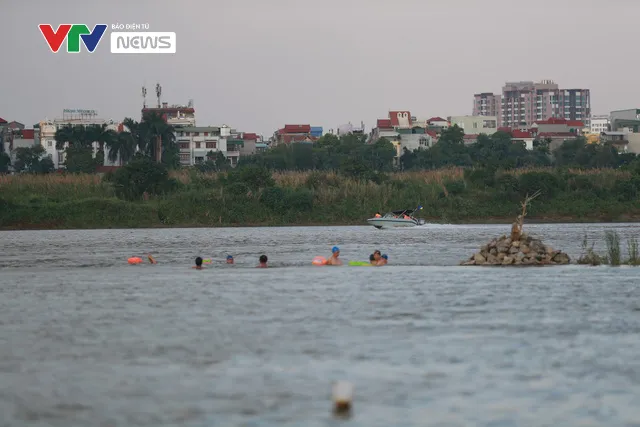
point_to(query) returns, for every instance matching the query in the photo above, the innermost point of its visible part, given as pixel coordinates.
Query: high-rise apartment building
(523, 103)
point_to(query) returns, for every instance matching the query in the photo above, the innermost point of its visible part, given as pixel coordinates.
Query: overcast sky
(256, 65)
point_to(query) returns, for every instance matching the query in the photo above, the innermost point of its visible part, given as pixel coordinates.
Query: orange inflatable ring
(134, 260)
(319, 260)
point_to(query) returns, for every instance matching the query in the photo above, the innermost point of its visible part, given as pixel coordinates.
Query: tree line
(350, 154)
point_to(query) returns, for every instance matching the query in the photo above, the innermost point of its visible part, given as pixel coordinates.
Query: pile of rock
(522, 251)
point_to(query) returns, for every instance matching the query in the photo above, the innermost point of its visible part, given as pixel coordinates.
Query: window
(206, 134)
(184, 145)
(197, 145)
(60, 157)
(211, 145)
(199, 160)
(196, 134)
(187, 133)
(49, 143)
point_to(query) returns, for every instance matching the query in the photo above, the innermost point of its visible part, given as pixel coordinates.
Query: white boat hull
(384, 223)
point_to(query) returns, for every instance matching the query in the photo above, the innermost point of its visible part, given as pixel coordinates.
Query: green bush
(546, 182)
(142, 175)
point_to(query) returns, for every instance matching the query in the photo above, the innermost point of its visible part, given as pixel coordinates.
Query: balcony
(233, 154)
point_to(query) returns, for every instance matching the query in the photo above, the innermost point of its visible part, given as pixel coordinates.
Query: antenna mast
(144, 97)
(158, 93)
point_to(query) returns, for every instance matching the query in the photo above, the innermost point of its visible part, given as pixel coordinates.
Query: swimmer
(151, 259)
(198, 265)
(263, 261)
(229, 259)
(334, 260)
(372, 259)
(383, 260)
(377, 256)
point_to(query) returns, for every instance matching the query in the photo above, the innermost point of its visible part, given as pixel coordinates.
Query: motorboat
(396, 219)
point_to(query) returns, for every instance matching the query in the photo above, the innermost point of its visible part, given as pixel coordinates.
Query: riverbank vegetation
(333, 181)
(147, 194)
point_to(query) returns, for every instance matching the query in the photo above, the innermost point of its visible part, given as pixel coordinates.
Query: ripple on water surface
(88, 340)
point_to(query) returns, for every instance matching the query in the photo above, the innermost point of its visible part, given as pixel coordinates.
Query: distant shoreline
(474, 221)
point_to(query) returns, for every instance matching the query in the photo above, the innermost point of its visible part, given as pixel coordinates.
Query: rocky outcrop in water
(523, 250)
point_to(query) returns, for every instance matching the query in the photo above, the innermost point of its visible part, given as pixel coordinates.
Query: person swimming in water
(229, 259)
(383, 259)
(151, 259)
(263, 261)
(334, 259)
(198, 265)
(372, 259)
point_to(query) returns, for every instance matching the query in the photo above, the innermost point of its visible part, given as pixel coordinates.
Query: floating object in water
(134, 260)
(206, 261)
(319, 260)
(342, 397)
(359, 263)
(151, 259)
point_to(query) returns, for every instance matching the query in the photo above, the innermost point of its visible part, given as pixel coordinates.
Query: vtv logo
(73, 33)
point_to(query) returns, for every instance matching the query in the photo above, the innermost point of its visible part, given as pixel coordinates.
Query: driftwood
(517, 226)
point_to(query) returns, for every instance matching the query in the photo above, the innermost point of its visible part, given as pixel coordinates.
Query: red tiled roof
(560, 121)
(250, 137)
(27, 133)
(556, 134)
(520, 134)
(504, 129)
(393, 117)
(432, 133)
(297, 128)
(2, 120)
(384, 124)
(436, 119)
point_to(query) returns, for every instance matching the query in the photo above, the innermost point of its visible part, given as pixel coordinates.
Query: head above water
(199, 262)
(377, 255)
(229, 259)
(385, 256)
(263, 259)
(372, 258)
(335, 250)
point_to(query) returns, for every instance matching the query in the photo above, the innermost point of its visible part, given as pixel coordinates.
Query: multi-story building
(628, 119)
(599, 124)
(175, 115)
(525, 102)
(402, 130)
(194, 142)
(556, 130)
(486, 104)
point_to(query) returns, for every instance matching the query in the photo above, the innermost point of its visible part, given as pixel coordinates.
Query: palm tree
(73, 135)
(100, 134)
(156, 129)
(138, 134)
(122, 147)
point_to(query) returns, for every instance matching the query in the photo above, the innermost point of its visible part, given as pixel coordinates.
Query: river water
(86, 339)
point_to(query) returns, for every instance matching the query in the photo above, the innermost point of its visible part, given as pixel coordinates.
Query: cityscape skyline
(241, 65)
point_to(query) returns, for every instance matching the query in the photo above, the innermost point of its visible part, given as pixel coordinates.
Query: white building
(46, 132)
(599, 124)
(475, 125)
(195, 142)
